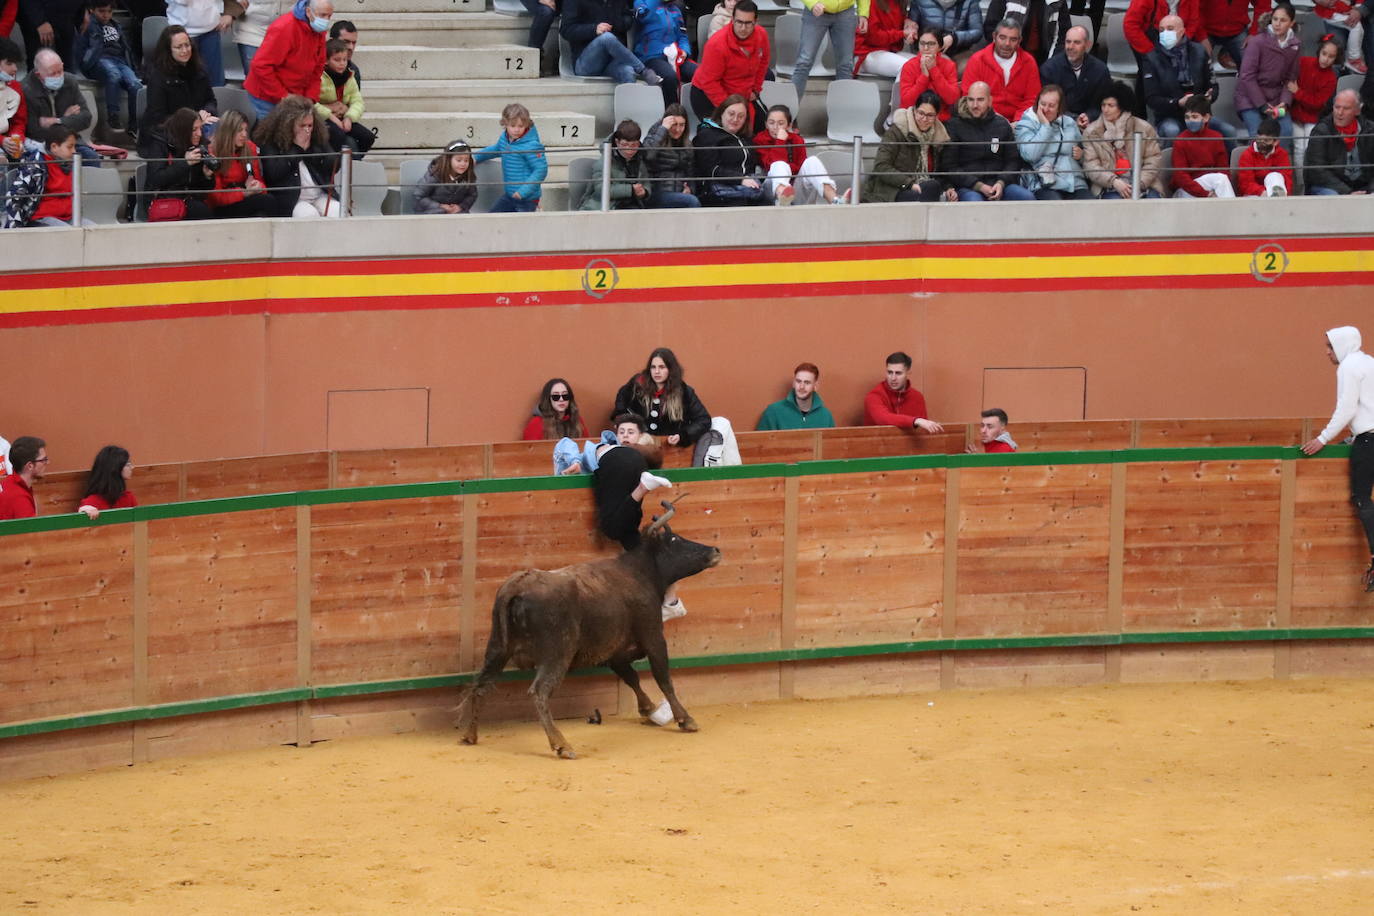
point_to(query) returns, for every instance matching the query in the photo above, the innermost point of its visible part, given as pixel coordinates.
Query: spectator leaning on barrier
(29, 460)
(1354, 409)
(14, 112)
(1340, 150)
(523, 163)
(103, 55)
(176, 79)
(992, 433)
(959, 21)
(596, 31)
(733, 62)
(1109, 148)
(1082, 77)
(913, 148)
(803, 407)
(1201, 166)
(981, 159)
(292, 56)
(1011, 75)
(896, 402)
(1264, 169)
(53, 97)
(1043, 24)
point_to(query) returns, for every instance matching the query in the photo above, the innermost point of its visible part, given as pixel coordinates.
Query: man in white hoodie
(1354, 408)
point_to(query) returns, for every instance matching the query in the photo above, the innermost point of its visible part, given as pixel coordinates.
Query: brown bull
(606, 612)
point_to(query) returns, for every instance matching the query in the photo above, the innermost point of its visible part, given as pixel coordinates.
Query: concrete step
(351, 9)
(414, 62)
(433, 130)
(440, 30)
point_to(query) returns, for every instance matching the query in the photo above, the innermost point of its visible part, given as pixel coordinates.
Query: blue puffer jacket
(660, 24)
(523, 163)
(963, 19)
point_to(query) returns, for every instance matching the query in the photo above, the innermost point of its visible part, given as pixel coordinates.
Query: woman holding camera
(239, 187)
(179, 171)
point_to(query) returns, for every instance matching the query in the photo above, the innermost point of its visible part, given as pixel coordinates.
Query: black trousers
(1362, 482)
(618, 514)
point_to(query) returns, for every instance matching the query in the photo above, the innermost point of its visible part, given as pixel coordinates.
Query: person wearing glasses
(107, 486)
(734, 62)
(29, 458)
(556, 416)
(930, 71)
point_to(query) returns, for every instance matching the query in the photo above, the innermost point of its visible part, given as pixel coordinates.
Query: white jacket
(1354, 385)
(196, 16)
(251, 28)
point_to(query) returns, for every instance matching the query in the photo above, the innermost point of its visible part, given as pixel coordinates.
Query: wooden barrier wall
(136, 638)
(167, 483)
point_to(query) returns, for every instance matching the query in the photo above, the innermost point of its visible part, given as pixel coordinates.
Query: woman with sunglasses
(556, 415)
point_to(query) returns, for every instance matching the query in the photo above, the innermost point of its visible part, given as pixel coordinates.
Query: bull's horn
(663, 520)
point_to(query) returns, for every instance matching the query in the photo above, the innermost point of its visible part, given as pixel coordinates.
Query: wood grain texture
(1029, 668)
(883, 441)
(1205, 433)
(60, 753)
(1161, 664)
(867, 677)
(382, 714)
(407, 465)
(1201, 546)
(1033, 550)
(1329, 549)
(1071, 435)
(386, 589)
(222, 604)
(870, 562)
(221, 732)
(59, 492)
(1331, 658)
(522, 459)
(781, 445)
(66, 622)
(268, 474)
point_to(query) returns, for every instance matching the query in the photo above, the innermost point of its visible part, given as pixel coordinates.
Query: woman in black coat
(670, 408)
(176, 163)
(291, 136)
(176, 78)
(726, 164)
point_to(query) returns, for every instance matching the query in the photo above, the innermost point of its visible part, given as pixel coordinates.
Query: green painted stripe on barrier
(961, 644)
(740, 472)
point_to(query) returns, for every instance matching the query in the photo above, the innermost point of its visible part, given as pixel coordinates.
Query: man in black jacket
(980, 158)
(1340, 151)
(1176, 70)
(1082, 77)
(596, 31)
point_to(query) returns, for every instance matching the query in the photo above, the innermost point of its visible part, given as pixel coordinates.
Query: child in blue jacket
(523, 163)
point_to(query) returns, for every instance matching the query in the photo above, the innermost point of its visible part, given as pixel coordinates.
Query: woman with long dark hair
(177, 165)
(176, 78)
(556, 416)
(107, 487)
(670, 407)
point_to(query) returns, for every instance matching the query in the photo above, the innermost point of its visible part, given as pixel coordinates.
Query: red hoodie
(1231, 17)
(943, 81)
(1009, 97)
(289, 62)
(886, 19)
(771, 150)
(885, 407)
(1315, 88)
(728, 65)
(1253, 167)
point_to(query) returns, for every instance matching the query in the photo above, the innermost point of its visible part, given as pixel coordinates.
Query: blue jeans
(1170, 128)
(665, 200)
(1252, 118)
(539, 25)
(1010, 192)
(261, 107)
(89, 157)
(1233, 45)
(606, 56)
(1145, 193)
(115, 75)
(507, 204)
(246, 53)
(208, 46)
(671, 85)
(841, 28)
(1319, 191)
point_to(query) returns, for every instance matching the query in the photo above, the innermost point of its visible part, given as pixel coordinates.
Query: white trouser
(813, 179)
(885, 63)
(1300, 134)
(1274, 185)
(306, 209)
(1216, 182)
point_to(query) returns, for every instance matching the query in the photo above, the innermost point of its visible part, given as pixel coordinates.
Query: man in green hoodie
(802, 408)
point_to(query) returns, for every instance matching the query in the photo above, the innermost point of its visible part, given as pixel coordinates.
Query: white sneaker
(674, 610)
(651, 482)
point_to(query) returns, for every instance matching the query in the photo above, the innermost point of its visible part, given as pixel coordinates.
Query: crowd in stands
(1007, 101)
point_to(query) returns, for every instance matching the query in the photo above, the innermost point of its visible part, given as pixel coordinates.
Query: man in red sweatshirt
(1201, 164)
(29, 458)
(894, 402)
(1011, 74)
(733, 62)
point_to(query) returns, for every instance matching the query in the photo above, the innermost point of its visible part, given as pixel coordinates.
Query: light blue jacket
(1050, 146)
(523, 163)
(567, 451)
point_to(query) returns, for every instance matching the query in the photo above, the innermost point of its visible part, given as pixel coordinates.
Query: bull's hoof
(468, 739)
(688, 725)
(565, 753)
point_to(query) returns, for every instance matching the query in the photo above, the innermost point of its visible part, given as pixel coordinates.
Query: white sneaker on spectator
(652, 482)
(650, 77)
(674, 610)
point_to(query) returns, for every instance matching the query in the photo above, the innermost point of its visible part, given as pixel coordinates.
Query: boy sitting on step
(341, 102)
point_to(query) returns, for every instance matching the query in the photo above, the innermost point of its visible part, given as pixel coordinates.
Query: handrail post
(1137, 141)
(606, 176)
(856, 168)
(346, 182)
(76, 190)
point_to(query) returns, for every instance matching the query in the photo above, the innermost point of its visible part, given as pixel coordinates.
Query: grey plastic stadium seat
(565, 65)
(229, 55)
(140, 214)
(1350, 81)
(851, 108)
(786, 39)
(140, 105)
(89, 96)
(639, 102)
(1166, 173)
(1224, 106)
(1120, 58)
(101, 192)
(780, 92)
(489, 185)
(1311, 28)
(1235, 166)
(232, 98)
(369, 187)
(685, 96)
(412, 173)
(17, 36)
(839, 164)
(579, 176)
(1087, 23)
(703, 35)
(152, 31)
(510, 7)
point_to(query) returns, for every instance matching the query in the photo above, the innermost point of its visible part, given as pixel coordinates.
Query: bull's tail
(497, 654)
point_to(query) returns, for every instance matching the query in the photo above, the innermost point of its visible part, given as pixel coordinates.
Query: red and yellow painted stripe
(142, 293)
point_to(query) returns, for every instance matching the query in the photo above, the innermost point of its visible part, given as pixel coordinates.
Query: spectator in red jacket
(930, 69)
(291, 57)
(1011, 74)
(782, 152)
(733, 62)
(556, 416)
(992, 433)
(1201, 165)
(895, 402)
(1229, 25)
(882, 39)
(14, 112)
(239, 186)
(107, 487)
(1141, 23)
(29, 459)
(1316, 89)
(1264, 169)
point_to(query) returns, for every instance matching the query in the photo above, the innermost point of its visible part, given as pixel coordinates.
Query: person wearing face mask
(14, 111)
(1140, 24)
(1177, 70)
(53, 97)
(1201, 162)
(291, 57)
(1264, 169)
(41, 194)
(1269, 73)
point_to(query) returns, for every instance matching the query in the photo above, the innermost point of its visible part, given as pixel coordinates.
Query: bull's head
(674, 556)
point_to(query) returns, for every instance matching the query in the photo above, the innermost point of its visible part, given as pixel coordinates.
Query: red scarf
(1348, 134)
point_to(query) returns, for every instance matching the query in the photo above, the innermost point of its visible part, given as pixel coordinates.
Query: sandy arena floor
(1217, 798)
